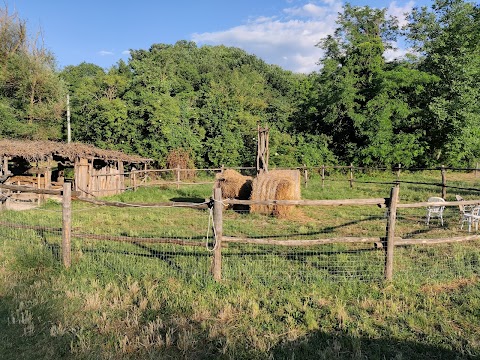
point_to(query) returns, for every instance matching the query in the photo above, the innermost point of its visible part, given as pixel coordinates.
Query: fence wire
(35, 233)
(177, 243)
(144, 241)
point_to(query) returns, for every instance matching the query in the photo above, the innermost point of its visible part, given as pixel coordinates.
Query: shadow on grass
(321, 345)
(195, 200)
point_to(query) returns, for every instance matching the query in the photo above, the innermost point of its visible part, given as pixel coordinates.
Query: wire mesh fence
(178, 243)
(142, 241)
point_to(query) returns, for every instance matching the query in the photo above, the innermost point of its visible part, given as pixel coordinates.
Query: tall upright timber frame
(262, 149)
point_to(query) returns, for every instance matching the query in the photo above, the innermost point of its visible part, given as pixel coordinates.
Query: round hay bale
(275, 185)
(294, 175)
(234, 184)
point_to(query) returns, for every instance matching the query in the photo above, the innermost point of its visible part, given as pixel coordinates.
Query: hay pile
(234, 184)
(275, 185)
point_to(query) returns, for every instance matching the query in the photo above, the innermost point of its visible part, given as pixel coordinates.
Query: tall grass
(135, 301)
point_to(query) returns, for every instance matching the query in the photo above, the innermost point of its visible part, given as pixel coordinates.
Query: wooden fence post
(218, 226)
(392, 217)
(134, 176)
(323, 176)
(178, 176)
(66, 224)
(351, 175)
(305, 175)
(444, 182)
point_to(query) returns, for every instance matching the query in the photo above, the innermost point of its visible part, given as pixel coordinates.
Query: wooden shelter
(44, 164)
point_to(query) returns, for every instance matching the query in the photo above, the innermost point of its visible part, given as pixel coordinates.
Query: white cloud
(396, 53)
(400, 11)
(126, 52)
(288, 39)
(105, 53)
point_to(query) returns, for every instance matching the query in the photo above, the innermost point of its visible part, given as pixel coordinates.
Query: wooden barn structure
(47, 164)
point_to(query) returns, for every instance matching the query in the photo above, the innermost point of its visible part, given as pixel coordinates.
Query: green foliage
(142, 300)
(32, 96)
(422, 110)
(368, 107)
(448, 39)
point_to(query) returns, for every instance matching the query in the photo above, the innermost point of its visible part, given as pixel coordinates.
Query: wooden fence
(138, 177)
(385, 243)
(143, 177)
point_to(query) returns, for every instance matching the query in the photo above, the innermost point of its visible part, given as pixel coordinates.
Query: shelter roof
(32, 150)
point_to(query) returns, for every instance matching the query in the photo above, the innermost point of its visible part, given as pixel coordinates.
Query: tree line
(422, 109)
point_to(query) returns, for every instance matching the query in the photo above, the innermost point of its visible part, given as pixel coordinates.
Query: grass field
(144, 301)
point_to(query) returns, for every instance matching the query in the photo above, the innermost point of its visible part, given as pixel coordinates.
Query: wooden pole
(178, 176)
(323, 176)
(351, 175)
(69, 130)
(134, 175)
(444, 182)
(305, 175)
(392, 217)
(67, 224)
(5, 165)
(218, 226)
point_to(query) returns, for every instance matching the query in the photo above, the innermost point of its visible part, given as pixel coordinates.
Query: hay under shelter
(234, 185)
(275, 185)
(45, 164)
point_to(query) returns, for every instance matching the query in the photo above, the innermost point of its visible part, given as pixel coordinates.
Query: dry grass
(276, 185)
(234, 184)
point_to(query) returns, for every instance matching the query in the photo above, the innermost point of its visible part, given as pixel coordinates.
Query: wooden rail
(349, 202)
(32, 190)
(387, 243)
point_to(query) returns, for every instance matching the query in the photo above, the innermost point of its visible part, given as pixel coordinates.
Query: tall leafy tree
(364, 104)
(32, 96)
(447, 39)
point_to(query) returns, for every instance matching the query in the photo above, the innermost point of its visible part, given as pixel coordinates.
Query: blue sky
(282, 32)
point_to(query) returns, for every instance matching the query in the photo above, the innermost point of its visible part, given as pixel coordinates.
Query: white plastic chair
(435, 211)
(465, 211)
(474, 218)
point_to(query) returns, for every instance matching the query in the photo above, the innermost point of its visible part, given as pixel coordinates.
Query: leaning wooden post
(351, 175)
(218, 233)
(67, 224)
(392, 217)
(444, 182)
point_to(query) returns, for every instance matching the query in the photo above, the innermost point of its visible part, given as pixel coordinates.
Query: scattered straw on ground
(451, 286)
